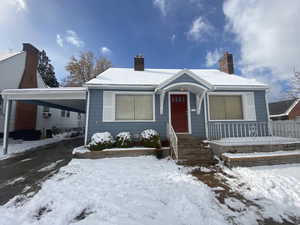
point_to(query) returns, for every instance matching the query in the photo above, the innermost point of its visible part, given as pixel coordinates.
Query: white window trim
(189, 108)
(132, 93)
(242, 94)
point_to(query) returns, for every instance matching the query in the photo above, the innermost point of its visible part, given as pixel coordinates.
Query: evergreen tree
(46, 70)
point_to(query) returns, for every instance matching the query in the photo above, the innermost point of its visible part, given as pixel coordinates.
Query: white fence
(218, 130)
(284, 128)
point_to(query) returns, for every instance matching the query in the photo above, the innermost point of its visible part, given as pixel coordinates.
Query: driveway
(25, 172)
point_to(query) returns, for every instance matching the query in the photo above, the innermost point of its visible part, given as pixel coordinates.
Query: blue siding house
(204, 103)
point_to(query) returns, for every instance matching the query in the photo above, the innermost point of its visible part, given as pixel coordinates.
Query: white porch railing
(286, 128)
(219, 130)
(173, 140)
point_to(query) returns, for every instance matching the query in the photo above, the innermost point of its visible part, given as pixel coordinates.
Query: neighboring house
(18, 71)
(285, 110)
(192, 100)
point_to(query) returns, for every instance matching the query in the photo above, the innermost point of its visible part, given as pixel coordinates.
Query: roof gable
(187, 77)
(282, 108)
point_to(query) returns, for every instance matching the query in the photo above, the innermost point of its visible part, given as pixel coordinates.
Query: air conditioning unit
(46, 115)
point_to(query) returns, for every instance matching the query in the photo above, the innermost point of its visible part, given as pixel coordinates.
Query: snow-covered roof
(12, 67)
(155, 77)
(6, 55)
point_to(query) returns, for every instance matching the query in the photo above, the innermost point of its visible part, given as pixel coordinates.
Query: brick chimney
(139, 64)
(226, 63)
(29, 80)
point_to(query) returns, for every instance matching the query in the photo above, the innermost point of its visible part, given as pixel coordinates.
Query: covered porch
(70, 99)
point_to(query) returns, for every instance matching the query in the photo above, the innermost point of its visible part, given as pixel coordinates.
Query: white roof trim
(287, 112)
(188, 72)
(45, 94)
(120, 86)
(167, 88)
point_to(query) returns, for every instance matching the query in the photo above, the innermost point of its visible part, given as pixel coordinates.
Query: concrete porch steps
(193, 152)
(261, 158)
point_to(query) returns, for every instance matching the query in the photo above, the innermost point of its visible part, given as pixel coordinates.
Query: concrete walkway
(25, 172)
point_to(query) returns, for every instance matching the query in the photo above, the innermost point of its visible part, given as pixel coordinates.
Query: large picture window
(226, 107)
(134, 107)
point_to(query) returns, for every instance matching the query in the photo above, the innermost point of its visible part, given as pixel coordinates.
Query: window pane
(233, 106)
(143, 107)
(226, 107)
(124, 107)
(217, 107)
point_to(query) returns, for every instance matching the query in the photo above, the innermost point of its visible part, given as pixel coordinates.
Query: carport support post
(6, 126)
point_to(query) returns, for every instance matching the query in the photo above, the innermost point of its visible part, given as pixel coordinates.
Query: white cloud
(105, 50)
(74, 39)
(268, 33)
(173, 37)
(199, 30)
(161, 5)
(59, 40)
(21, 4)
(212, 57)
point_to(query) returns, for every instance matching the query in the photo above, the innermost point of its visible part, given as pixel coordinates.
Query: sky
(262, 35)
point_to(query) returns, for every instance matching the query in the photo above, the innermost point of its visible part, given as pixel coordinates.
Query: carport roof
(71, 98)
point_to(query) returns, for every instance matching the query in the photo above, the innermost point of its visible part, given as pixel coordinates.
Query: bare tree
(84, 68)
(295, 85)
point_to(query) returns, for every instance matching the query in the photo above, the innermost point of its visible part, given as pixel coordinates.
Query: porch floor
(265, 140)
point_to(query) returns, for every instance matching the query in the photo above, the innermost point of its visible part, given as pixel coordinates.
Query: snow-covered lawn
(116, 191)
(276, 189)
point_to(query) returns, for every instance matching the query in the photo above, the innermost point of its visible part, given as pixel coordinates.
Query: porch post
(6, 126)
(87, 112)
(205, 116)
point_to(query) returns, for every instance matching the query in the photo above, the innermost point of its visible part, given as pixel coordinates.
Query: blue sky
(170, 33)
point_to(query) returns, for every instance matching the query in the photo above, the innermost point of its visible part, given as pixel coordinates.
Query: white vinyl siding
(128, 106)
(232, 106)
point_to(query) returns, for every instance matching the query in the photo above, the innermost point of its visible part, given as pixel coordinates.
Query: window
(68, 114)
(63, 113)
(79, 116)
(134, 107)
(46, 109)
(225, 107)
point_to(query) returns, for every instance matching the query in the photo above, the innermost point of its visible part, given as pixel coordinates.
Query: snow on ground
(275, 188)
(22, 146)
(50, 166)
(124, 191)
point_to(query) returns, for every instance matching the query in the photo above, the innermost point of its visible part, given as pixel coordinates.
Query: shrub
(150, 138)
(124, 140)
(100, 141)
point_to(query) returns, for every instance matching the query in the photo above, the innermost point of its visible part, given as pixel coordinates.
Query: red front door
(179, 113)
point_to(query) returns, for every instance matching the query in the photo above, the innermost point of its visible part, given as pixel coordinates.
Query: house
(18, 70)
(285, 110)
(192, 101)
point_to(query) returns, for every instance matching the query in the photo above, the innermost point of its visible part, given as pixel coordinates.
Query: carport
(72, 99)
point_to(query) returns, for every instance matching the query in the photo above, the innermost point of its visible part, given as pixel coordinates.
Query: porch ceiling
(71, 99)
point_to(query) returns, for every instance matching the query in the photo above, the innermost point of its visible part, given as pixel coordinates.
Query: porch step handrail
(173, 140)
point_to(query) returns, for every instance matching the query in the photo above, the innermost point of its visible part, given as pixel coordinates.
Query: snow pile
(101, 138)
(135, 191)
(276, 189)
(80, 150)
(149, 133)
